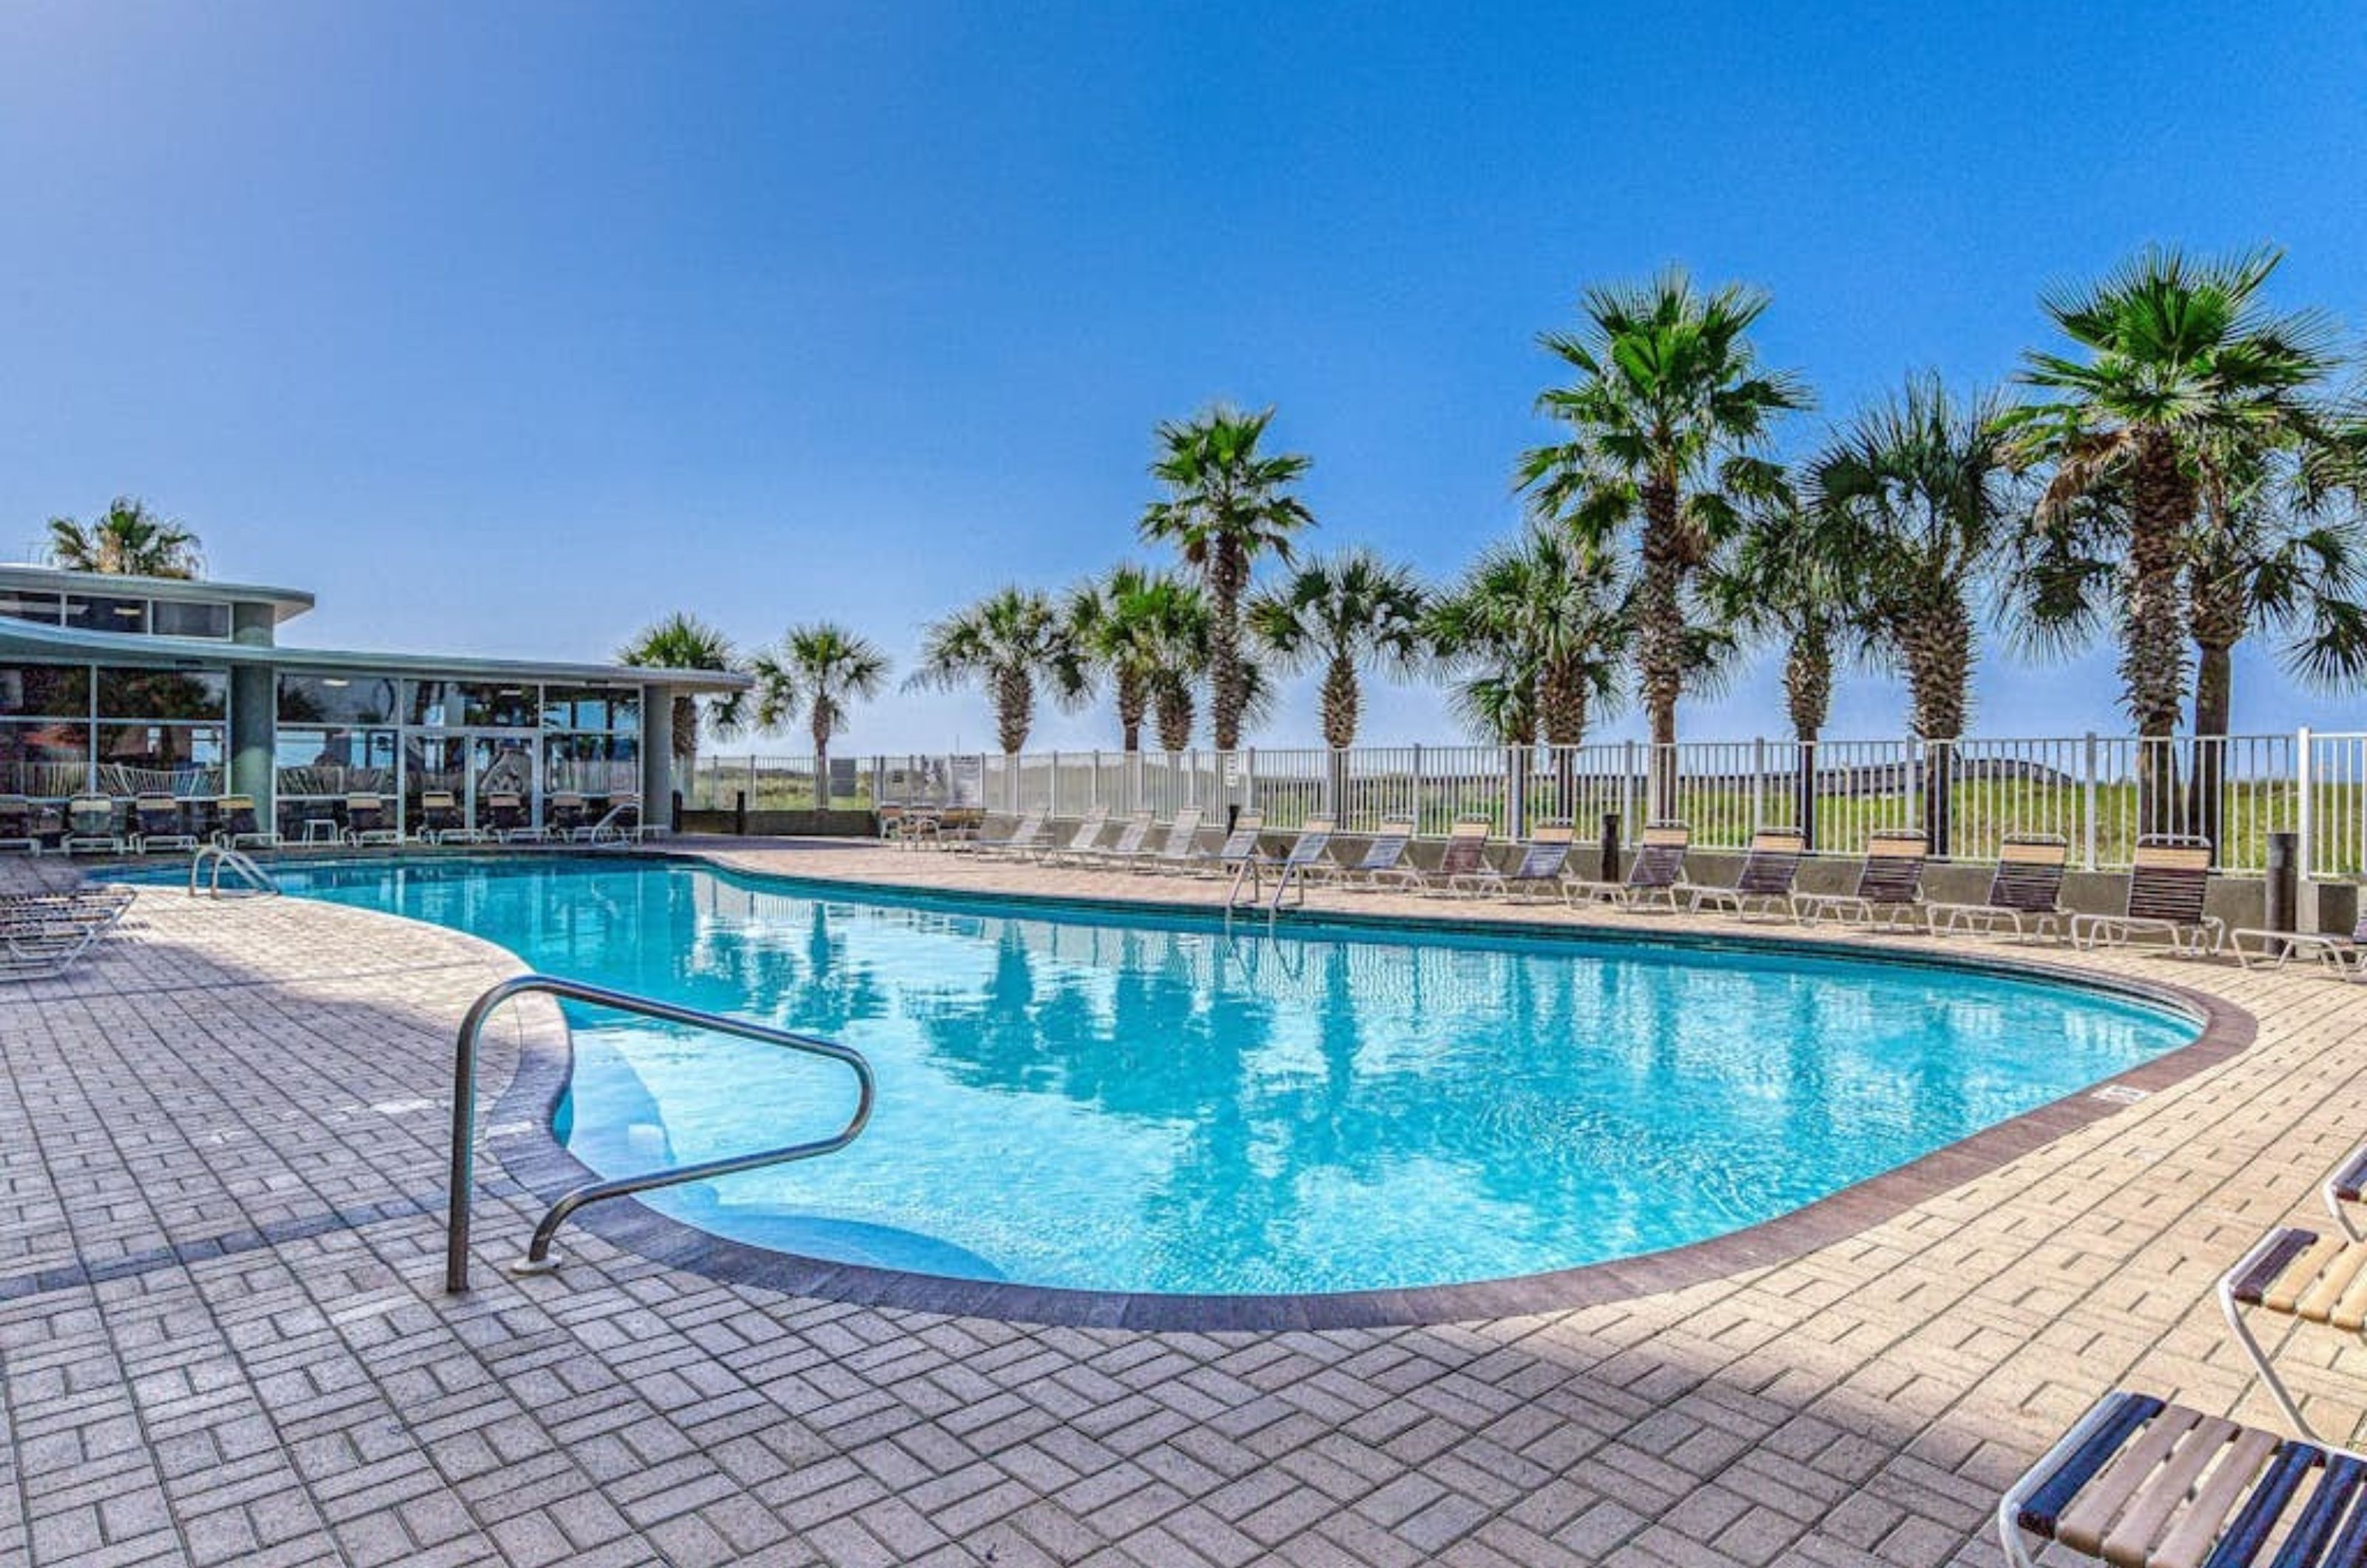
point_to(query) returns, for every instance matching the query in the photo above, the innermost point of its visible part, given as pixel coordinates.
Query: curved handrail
(464, 1113)
(221, 855)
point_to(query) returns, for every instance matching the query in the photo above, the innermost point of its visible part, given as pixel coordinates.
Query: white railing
(1970, 793)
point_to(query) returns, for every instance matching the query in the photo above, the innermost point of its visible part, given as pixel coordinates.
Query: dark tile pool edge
(521, 1140)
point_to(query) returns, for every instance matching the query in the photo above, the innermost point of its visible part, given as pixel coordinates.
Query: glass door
(501, 772)
(438, 765)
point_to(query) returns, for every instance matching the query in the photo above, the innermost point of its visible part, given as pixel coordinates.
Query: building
(123, 685)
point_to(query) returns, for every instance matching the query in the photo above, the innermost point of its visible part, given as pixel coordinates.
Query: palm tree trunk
(686, 731)
(2215, 675)
(1561, 704)
(1014, 709)
(1937, 640)
(1661, 638)
(1176, 716)
(2153, 656)
(1808, 697)
(1228, 682)
(1132, 703)
(821, 761)
(1340, 704)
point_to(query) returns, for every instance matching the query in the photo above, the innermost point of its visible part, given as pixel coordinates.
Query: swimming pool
(1123, 1100)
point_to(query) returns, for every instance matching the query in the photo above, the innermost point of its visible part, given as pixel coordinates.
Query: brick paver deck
(223, 1337)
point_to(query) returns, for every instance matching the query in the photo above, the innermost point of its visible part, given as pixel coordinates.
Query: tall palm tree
(1345, 613)
(1917, 495)
(1125, 626)
(1788, 576)
(1227, 504)
(2177, 358)
(683, 641)
(1665, 422)
(823, 669)
(129, 540)
(1009, 641)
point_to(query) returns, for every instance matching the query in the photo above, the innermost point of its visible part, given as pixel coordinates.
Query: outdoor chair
(18, 830)
(1538, 873)
(157, 826)
(2140, 1480)
(1312, 845)
(2302, 1276)
(440, 821)
(620, 824)
(505, 820)
(36, 947)
(565, 814)
(1080, 843)
(1026, 836)
(1240, 848)
(1132, 834)
(2345, 956)
(100, 907)
(1764, 884)
(1657, 872)
(2026, 893)
(1384, 857)
(90, 826)
(1181, 847)
(236, 827)
(1890, 887)
(367, 821)
(1464, 853)
(2168, 884)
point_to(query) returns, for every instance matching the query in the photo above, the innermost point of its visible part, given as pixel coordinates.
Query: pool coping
(521, 1137)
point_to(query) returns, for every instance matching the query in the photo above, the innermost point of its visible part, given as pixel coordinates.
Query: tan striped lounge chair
(367, 821)
(1538, 874)
(1080, 843)
(157, 825)
(2167, 886)
(236, 825)
(2025, 893)
(90, 826)
(1890, 887)
(1466, 852)
(18, 829)
(1658, 871)
(2140, 1480)
(1764, 885)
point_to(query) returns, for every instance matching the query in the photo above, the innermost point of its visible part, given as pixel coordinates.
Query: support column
(657, 757)
(254, 707)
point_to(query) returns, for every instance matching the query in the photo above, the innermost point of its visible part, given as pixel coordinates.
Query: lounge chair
(1890, 887)
(507, 821)
(1657, 872)
(1465, 852)
(564, 815)
(2138, 1480)
(1181, 847)
(367, 821)
(17, 828)
(1080, 843)
(1027, 836)
(101, 908)
(620, 824)
(236, 827)
(437, 820)
(2168, 884)
(1132, 834)
(1539, 873)
(2296, 1274)
(90, 826)
(157, 826)
(1241, 847)
(35, 946)
(2027, 887)
(1384, 858)
(1312, 845)
(2345, 956)
(1764, 885)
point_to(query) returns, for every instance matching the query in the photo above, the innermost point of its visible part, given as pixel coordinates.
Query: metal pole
(2088, 793)
(2279, 885)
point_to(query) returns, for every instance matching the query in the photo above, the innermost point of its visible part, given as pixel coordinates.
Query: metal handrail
(538, 1257)
(221, 855)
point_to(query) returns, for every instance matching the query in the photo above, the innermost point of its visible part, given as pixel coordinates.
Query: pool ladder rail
(539, 1259)
(220, 857)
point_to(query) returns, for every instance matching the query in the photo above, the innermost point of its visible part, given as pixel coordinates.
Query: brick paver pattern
(222, 1336)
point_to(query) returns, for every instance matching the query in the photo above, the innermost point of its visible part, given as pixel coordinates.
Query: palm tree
(683, 641)
(1917, 495)
(2179, 358)
(1788, 576)
(1352, 609)
(1227, 504)
(130, 540)
(823, 669)
(1539, 627)
(1665, 421)
(1009, 641)
(1125, 625)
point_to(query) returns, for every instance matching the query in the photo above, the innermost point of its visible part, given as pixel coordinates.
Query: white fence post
(2304, 825)
(1758, 784)
(1249, 777)
(1627, 792)
(2087, 793)
(1413, 802)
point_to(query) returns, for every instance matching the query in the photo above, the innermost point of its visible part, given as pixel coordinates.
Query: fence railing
(2096, 792)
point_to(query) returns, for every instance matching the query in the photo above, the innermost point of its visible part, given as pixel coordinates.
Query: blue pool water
(1145, 1103)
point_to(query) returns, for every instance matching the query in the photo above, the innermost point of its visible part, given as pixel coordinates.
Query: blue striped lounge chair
(1384, 858)
(1240, 848)
(1536, 874)
(2168, 881)
(1657, 872)
(1132, 834)
(1311, 848)
(1179, 850)
(1080, 843)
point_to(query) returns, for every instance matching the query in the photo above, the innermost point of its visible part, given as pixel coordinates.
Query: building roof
(286, 603)
(33, 640)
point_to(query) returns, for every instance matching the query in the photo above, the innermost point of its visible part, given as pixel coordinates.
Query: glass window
(337, 699)
(625, 709)
(498, 705)
(50, 761)
(575, 707)
(92, 613)
(25, 606)
(162, 693)
(178, 618)
(61, 691)
(184, 758)
(334, 762)
(590, 764)
(432, 703)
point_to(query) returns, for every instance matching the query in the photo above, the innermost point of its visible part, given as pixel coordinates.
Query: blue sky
(510, 328)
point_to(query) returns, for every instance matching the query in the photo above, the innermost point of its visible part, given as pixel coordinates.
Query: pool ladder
(220, 857)
(539, 1258)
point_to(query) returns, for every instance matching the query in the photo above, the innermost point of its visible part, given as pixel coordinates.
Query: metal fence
(2098, 792)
